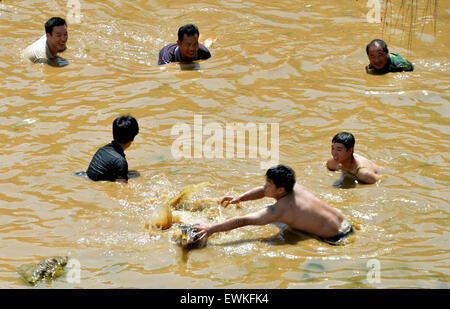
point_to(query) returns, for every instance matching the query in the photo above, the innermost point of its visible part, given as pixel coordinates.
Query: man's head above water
(378, 53)
(57, 36)
(280, 180)
(342, 146)
(188, 41)
(344, 138)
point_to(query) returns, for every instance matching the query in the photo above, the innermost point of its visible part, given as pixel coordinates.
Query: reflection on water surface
(273, 62)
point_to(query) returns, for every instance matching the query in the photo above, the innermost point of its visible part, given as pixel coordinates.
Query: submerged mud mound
(185, 237)
(48, 269)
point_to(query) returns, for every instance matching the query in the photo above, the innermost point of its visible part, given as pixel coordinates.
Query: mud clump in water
(185, 237)
(48, 269)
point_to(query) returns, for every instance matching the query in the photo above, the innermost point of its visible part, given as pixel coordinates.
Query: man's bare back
(301, 210)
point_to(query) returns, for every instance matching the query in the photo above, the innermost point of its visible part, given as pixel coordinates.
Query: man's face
(340, 153)
(378, 57)
(189, 46)
(271, 190)
(58, 38)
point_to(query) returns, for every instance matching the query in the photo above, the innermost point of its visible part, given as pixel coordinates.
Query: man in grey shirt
(54, 41)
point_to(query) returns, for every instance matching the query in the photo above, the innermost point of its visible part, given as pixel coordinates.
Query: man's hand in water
(229, 200)
(202, 231)
(208, 42)
(370, 71)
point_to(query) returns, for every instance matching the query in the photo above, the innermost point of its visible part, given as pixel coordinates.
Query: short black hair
(377, 42)
(282, 176)
(189, 30)
(125, 128)
(54, 22)
(345, 138)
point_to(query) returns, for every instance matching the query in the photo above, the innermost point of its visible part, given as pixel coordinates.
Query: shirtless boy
(294, 206)
(343, 158)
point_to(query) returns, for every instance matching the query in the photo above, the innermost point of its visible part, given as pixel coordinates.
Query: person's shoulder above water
(203, 52)
(167, 54)
(186, 49)
(399, 64)
(37, 52)
(108, 163)
(382, 61)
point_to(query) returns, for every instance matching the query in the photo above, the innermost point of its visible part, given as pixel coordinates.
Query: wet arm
(253, 194)
(368, 177)
(262, 217)
(331, 165)
(408, 66)
(121, 169)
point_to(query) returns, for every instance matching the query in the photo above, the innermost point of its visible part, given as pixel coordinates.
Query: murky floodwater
(296, 63)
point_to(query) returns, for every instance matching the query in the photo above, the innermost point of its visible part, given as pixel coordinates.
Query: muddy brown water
(295, 63)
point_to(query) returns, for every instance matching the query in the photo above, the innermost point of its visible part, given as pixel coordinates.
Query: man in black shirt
(186, 49)
(109, 161)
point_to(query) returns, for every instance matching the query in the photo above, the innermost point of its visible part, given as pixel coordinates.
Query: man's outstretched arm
(262, 217)
(253, 194)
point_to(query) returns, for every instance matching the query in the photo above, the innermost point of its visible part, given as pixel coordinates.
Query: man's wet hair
(282, 176)
(345, 138)
(377, 42)
(54, 22)
(125, 128)
(189, 30)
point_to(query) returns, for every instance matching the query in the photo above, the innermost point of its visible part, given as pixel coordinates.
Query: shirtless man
(54, 41)
(294, 206)
(343, 158)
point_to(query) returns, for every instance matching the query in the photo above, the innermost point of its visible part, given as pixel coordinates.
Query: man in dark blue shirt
(186, 49)
(109, 161)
